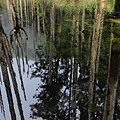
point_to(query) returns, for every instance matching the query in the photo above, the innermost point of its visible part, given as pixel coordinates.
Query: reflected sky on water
(29, 84)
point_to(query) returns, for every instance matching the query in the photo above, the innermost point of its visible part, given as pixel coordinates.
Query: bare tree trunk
(83, 21)
(112, 87)
(95, 39)
(8, 88)
(82, 34)
(52, 22)
(21, 13)
(25, 11)
(1, 100)
(43, 19)
(75, 70)
(60, 27)
(112, 82)
(99, 42)
(107, 82)
(38, 21)
(3, 63)
(10, 17)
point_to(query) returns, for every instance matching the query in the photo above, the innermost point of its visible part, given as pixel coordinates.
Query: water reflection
(74, 73)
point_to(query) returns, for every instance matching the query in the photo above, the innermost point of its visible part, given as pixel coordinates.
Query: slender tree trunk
(107, 82)
(1, 101)
(8, 89)
(43, 19)
(99, 42)
(112, 82)
(83, 21)
(60, 27)
(10, 17)
(38, 21)
(95, 39)
(112, 87)
(52, 31)
(82, 34)
(3, 64)
(25, 11)
(76, 48)
(52, 22)
(21, 12)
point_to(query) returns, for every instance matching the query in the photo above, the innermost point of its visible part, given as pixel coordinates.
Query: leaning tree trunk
(7, 82)
(99, 11)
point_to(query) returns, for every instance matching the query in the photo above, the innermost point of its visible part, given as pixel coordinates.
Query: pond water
(30, 85)
(61, 73)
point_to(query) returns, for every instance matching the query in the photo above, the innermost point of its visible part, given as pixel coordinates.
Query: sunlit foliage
(90, 4)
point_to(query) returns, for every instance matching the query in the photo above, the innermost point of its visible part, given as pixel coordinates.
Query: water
(30, 84)
(58, 85)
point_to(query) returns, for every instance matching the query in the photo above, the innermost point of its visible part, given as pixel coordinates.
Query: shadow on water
(76, 63)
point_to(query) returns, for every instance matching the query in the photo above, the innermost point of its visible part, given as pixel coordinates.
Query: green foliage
(115, 20)
(69, 5)
(50, 48)
(109, 5)
(2, 3)
(116, 45)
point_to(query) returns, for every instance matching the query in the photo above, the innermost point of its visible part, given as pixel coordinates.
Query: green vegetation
(69, 5)
(2, 3)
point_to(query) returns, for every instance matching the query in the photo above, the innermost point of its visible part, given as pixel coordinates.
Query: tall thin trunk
(107, 81)
(32, 15)
(52, 32)
(112, 83)
(99, 43)
(25, 11)
(43, 19)
(75, 70)
(3, 63)
(60, 27)
(83, 21)
(52, 22)
(1, 101)
(112, 87)
(8, 57)
(82, 33)
(8, 6)
(8, 88)
(96, 34)
(70, 88)
(38, 21)
(21, 12)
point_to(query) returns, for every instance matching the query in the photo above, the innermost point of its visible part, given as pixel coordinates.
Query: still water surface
(57, 86)
(30, 84)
